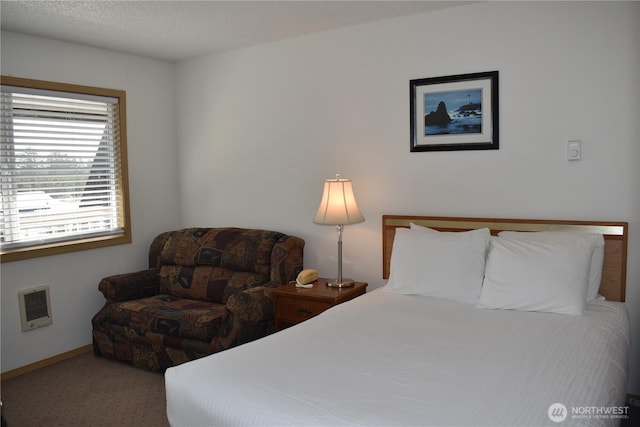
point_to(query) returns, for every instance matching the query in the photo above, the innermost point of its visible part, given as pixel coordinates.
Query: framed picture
(457, 112)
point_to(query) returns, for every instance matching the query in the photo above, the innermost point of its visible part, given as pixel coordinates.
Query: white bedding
(389, 359)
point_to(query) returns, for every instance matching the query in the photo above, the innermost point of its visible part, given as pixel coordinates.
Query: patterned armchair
(206, 290)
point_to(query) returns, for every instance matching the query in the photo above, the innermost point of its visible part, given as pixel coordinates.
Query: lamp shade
(338, 205)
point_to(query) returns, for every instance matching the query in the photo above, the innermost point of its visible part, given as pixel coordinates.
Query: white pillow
(441, 265)
(597, 258)
(419, 228)
(536, 276)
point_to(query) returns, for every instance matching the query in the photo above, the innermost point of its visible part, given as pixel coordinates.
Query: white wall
(73, 278)
(261, 128)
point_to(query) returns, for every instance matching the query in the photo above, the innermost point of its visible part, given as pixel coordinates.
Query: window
(63, 168)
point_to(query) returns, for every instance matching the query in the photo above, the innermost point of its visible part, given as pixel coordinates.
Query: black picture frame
(473, 103)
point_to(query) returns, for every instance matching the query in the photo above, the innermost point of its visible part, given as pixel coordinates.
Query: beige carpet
(85, 391)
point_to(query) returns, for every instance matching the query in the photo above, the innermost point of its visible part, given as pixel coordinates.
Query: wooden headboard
(614, 271)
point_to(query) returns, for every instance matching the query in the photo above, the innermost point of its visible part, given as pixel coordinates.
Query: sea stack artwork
(440, 117)
(458, 112)
(454, 112)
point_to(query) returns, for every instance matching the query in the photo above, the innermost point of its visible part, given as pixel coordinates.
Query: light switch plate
(574, 149)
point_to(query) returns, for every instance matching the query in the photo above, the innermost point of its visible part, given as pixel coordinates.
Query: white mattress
(387, 359)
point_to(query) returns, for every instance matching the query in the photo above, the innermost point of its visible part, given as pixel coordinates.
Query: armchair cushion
(206, 282)
(168, 315)
(232, 248)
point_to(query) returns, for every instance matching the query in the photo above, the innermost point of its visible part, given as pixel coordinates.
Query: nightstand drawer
(295, 310)
(294, 305)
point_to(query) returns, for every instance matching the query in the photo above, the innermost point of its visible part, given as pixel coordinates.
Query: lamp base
(344, 283)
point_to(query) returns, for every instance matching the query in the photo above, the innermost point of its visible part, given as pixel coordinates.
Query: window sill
(63, 247)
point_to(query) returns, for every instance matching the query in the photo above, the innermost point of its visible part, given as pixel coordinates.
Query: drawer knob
(304, 311)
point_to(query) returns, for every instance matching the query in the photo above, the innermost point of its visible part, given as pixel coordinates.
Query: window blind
(60, 167)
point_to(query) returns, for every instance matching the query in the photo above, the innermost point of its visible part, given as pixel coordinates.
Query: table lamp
(338, 207)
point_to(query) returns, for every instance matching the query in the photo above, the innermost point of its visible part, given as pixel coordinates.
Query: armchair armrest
(129, 286)
(250, 315)
(287, 258)
(253, 305)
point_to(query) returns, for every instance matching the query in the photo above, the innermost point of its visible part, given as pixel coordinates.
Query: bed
(446, 353)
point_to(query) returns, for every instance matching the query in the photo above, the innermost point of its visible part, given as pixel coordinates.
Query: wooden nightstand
(295, 305)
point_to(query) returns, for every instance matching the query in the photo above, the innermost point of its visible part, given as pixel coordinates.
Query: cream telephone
(306, 277)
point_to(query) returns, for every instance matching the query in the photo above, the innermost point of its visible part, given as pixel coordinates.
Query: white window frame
(118, 230)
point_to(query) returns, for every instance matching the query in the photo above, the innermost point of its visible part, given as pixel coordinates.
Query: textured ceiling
(177, 30)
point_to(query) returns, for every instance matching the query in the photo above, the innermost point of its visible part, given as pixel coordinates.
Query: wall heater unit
(35, 307)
